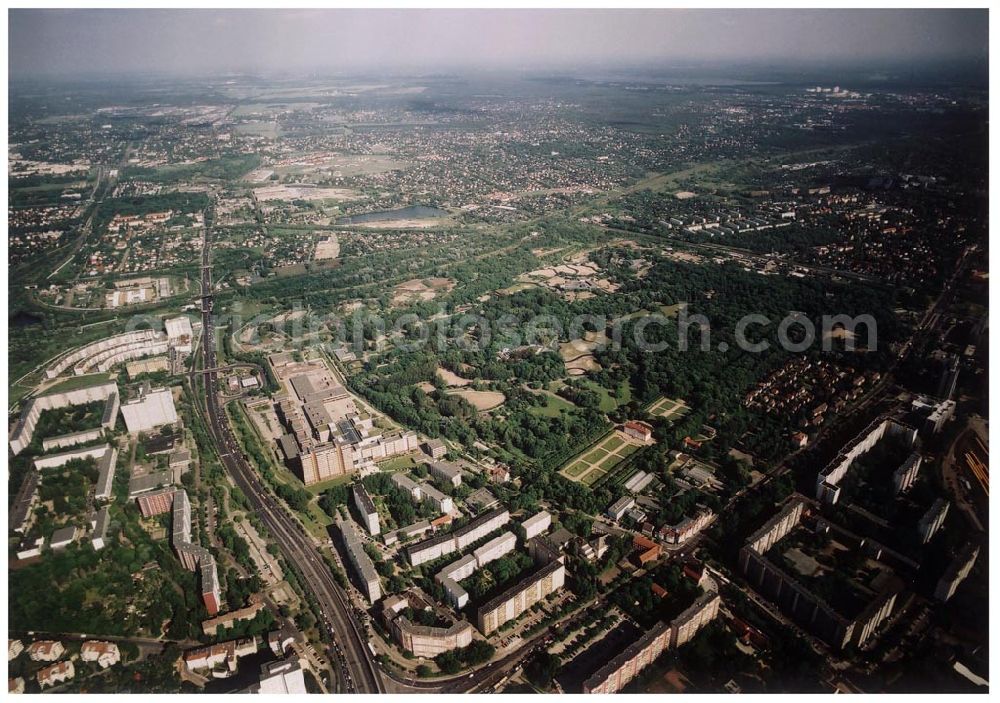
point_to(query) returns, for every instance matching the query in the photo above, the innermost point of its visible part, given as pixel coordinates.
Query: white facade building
(152, 409)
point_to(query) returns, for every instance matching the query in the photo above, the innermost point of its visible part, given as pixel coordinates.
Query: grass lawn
(77, 382)
(668, 408)
(608, 400)
(318, 488)
(553, 406)
(613, 443)
(600, 460)
(398, 463)
(593, 477)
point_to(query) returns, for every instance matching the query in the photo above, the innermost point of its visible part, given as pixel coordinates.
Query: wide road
(349, 648)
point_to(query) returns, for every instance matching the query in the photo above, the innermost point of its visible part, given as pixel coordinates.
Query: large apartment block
(365, 575)
(617, 673)
(518, 598)
(365, 506)
(459, 539)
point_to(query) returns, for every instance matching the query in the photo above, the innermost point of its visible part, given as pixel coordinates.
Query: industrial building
(638, 482)
(179, 333)
(284, 676)
(620, 507)
(327, 436)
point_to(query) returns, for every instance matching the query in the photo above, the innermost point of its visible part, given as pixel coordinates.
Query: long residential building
(829, 478)
(79, 358)
(99, 528)
(536, 524)
(193, 556)
(932, 520)
(446, 472)
(22, 510)
(958, 570)
(105, 390)
(366, 509)
(799, 603)
(457, 540)
(463, 568)
(617, 673)
(424, 640)
(510, 604)
(105, 455)
(366, 577)
(71, 439)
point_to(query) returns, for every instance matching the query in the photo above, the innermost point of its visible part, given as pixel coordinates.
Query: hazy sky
(198, 41)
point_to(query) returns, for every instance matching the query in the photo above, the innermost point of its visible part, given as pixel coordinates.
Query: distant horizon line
(802, 67)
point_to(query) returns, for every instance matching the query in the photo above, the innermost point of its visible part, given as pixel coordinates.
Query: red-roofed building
(638, 430)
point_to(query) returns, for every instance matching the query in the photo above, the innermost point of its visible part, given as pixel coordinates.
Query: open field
(340, 165)
(553, 405)
(599, 460)
(420, 289)
(451, 378)
(482, 400)
(580, 365)
(289, 193)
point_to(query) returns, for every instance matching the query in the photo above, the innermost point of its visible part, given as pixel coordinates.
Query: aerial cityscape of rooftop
(446, 351)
